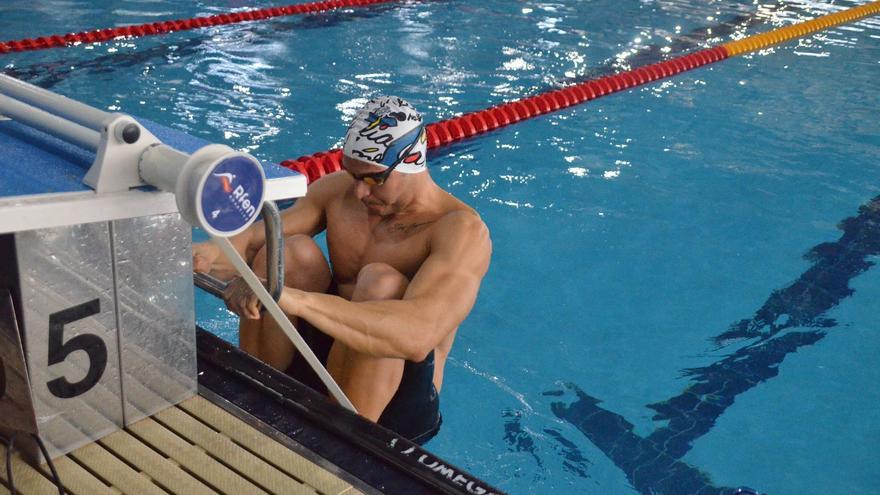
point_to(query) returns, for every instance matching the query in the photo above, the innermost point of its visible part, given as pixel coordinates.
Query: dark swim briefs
(414, 411)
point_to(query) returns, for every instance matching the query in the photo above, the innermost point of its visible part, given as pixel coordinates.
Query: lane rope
(801, 29)
(154, 28)
(471, 124)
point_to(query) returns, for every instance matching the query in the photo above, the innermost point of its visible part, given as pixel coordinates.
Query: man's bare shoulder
(461, 218)
(462, 226)
(459, 215)
(329, 187)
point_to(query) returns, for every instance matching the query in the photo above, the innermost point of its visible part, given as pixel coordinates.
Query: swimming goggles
(375, 178)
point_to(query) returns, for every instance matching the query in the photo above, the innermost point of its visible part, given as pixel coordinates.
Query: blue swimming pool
(682, 296)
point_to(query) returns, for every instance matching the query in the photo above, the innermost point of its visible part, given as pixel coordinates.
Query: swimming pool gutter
(310, 424)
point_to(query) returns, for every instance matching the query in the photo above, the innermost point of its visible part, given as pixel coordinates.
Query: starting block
(96, 287)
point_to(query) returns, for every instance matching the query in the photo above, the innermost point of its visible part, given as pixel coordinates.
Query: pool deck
(250, 430)
(192, 448)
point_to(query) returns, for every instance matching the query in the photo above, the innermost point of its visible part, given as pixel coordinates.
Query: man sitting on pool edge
(406, 262)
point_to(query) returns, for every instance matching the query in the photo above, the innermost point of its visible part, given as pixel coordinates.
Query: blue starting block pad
(41, 181)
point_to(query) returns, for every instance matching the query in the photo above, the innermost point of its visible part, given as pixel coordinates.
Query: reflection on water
(232, 87)
(613, 222)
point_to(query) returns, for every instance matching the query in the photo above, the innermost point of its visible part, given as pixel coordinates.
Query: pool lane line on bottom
(163, 27)
(791, 318)
(471, 124)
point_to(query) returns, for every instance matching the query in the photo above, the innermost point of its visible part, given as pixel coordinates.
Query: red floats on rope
(471, 124)
(316, 166)
(55, 41)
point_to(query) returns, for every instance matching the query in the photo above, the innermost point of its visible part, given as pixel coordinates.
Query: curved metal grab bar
(274, 248)
(274, 257)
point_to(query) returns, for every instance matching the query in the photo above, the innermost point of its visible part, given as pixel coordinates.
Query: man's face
(377, 199)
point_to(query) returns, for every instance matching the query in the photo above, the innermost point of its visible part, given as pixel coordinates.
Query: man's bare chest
(353, 242)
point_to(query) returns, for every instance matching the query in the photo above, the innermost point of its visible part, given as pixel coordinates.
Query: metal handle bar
(72, 110)
(274, 257)
(40, 119)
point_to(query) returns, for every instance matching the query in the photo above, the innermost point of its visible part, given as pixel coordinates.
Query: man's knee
(304, 264)
(302, 252)
(377, 281)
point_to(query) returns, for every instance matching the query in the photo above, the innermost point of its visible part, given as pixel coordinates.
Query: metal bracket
(123, 141)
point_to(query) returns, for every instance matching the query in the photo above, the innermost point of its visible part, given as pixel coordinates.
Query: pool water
(682, 297)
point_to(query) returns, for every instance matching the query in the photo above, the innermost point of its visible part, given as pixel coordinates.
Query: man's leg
(305, 269)
(369, 382)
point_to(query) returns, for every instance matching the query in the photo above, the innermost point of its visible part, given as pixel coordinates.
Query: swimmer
(406, 260)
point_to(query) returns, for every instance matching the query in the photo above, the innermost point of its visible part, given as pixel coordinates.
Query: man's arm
(436, 301)
(306, 216)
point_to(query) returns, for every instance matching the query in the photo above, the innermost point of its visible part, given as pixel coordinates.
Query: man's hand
(204, 254)
(241, 300)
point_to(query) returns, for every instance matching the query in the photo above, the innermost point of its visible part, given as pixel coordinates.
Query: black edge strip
(377, 456)
(9, 276)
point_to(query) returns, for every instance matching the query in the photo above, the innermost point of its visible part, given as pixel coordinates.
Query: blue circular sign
(232, 194)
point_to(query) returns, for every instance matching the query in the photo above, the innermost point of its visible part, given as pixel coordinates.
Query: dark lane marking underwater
(697, 38)
(48, 74)
(646, 55)
(653, 464)
(820, 288)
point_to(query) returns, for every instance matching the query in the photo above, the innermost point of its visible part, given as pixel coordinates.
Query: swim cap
(388, 130)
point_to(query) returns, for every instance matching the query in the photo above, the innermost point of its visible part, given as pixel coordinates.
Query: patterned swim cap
(388, 130)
